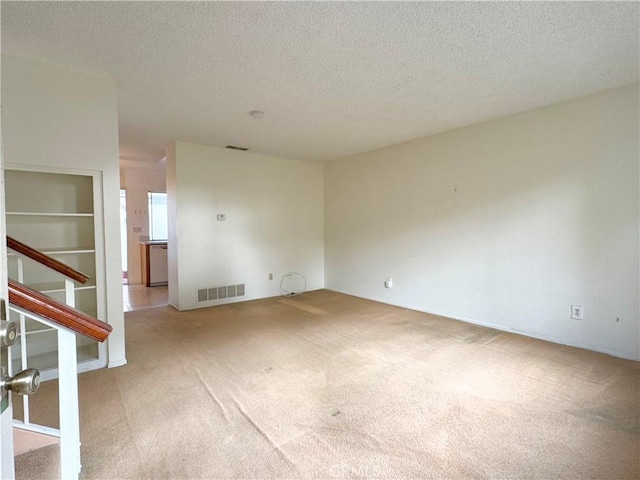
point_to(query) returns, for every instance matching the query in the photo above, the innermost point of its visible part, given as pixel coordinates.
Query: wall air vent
(202, 295)
(233, 147)
(219, 293)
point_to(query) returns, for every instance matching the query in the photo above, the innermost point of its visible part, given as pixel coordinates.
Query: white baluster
(23, 347)
(69, 411)
(69, 293)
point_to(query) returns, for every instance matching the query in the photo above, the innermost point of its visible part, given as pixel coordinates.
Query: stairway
(37, 456)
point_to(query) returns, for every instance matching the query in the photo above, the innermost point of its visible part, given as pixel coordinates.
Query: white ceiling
(334, 79)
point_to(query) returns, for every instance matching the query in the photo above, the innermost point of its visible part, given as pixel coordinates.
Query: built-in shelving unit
(54, 211)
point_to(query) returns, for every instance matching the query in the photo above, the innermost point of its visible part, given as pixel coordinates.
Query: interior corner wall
(507, 223)
(274, 223)
(138, 182)
(172, 224)
(55, 117)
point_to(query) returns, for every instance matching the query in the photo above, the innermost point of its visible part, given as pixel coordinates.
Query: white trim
(117, 363)
(49, 169)
(502, 328)
(232, 300)
(100, 261)
(98, 251)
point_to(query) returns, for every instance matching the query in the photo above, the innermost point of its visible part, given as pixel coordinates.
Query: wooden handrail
(46, 260)
(59, 313)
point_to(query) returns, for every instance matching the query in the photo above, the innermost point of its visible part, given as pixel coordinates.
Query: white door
(6, 417)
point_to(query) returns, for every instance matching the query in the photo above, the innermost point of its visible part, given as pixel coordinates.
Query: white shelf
(67, 251)
(57, 287)
(49, 214)
(34, 326)
(49, 360)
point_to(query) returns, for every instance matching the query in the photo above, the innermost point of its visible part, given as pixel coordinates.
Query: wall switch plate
(577, 312)
(271, 276)
(222, 217)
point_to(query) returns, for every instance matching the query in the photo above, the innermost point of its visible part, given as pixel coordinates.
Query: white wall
(507, 223)
(138, 181)
(274, 209)
(54, 117)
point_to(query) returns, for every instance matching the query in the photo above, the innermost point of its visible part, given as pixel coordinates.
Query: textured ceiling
(334, 79)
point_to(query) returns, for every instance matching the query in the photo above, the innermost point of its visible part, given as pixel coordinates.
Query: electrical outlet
(388, 283)
(271, 276)
(222, 217)
(577, 312)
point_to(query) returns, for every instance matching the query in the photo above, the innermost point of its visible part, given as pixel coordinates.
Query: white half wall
(507, 223)
(274, 223)
(55, 117)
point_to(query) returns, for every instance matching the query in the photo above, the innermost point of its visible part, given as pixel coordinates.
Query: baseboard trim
(117, 363)
(502, 328)
(232, 300)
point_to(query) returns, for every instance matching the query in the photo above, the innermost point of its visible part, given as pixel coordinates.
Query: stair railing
(66, 321)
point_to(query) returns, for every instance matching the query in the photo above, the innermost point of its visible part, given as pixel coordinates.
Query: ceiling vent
(233, 147)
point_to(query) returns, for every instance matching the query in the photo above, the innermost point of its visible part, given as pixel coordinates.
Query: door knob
(24, 383)
(8, 333)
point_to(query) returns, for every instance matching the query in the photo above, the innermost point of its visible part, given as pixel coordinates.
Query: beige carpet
(330, 386)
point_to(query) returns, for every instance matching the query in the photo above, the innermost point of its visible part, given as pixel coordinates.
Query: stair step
(39, 464)
(26, 441)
